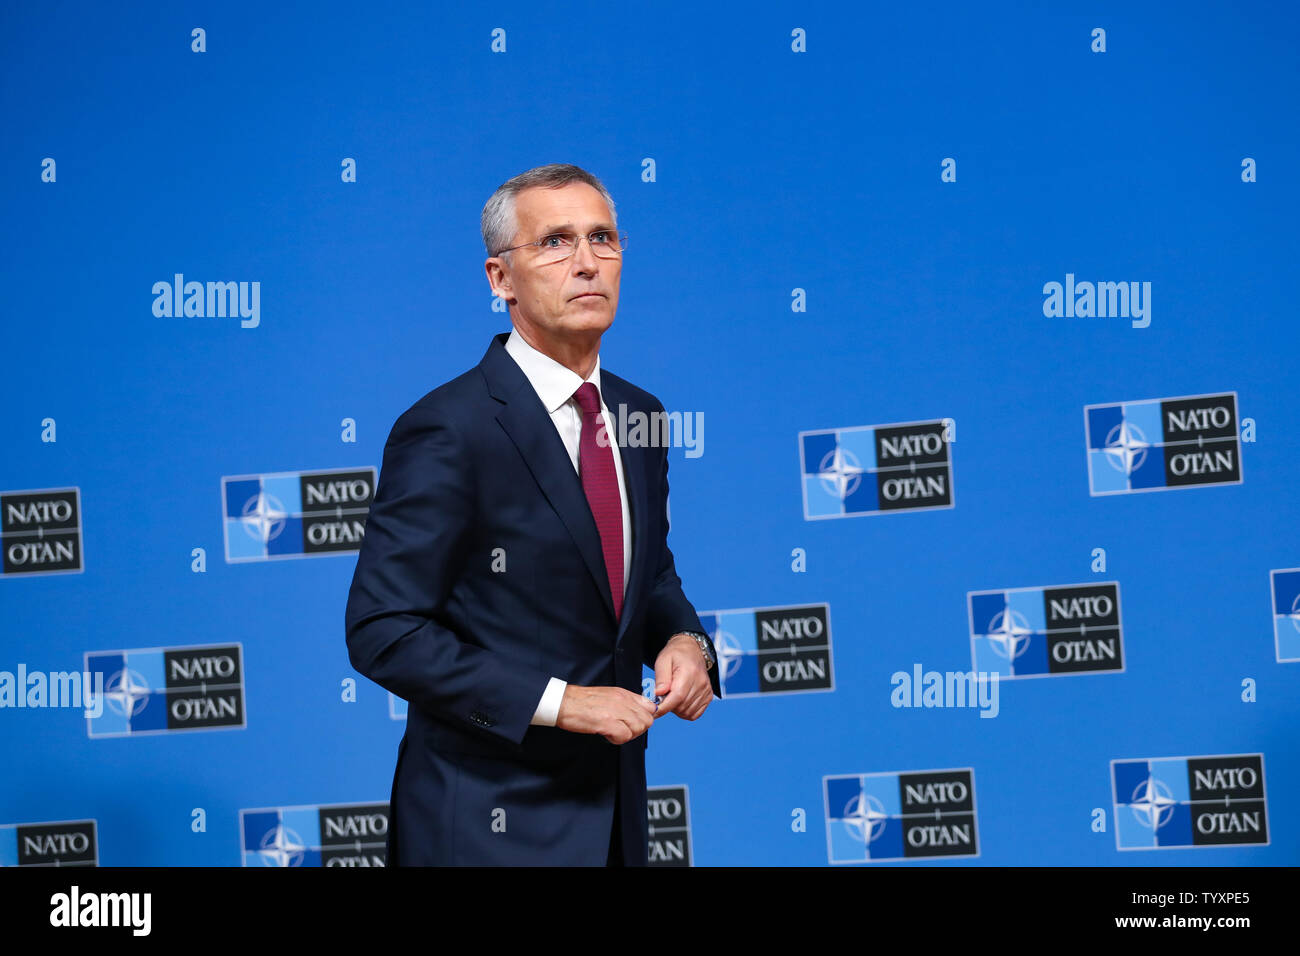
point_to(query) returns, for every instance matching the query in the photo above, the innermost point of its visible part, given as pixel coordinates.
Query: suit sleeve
(416, 543)
(669, 612)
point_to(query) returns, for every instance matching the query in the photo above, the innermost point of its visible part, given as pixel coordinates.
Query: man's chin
(589, 321)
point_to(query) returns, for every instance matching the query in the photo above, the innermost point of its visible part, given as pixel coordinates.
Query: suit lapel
(531, 428)
(634, 479)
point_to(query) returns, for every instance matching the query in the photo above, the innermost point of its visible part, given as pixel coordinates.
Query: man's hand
(616, 714)
(682, 679)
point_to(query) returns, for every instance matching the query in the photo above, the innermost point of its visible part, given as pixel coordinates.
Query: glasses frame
(537, 243)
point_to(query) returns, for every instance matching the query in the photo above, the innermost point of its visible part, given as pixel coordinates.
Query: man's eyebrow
(568, 227)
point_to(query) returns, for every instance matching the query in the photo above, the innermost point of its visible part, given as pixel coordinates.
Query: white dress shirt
(555, 386)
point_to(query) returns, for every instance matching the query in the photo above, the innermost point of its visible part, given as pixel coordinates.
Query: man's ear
(499, 278)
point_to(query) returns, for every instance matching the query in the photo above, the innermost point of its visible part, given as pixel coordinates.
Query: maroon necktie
(600, 483)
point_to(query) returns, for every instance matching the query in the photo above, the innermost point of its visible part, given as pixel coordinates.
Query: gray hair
(499, 223)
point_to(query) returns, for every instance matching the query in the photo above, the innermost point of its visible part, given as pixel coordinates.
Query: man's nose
(584, 258)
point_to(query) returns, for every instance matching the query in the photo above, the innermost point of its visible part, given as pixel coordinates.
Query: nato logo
(772, 650)
(900, 816)
(874, 469)
(1174, 802)
(40, 532)
(295, 514)
(1042, 632)
(1285, 585)
(397, 707)
(65, 843)
(1163, 443)
(668, 824)
(345, 834)
(168, 689)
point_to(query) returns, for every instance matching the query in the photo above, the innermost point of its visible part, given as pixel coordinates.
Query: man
(515, 573)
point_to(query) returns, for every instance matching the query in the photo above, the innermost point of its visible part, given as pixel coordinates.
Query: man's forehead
(574, 204)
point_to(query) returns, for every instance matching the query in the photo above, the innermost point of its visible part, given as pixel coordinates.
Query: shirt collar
(553, 383)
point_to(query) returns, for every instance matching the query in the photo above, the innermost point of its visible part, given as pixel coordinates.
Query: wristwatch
(702, 639)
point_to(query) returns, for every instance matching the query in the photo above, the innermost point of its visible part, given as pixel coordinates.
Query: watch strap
(702, 640)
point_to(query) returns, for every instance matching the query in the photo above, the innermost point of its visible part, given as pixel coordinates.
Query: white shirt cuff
(548, 710)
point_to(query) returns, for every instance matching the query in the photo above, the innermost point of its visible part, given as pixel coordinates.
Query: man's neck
(578, 355)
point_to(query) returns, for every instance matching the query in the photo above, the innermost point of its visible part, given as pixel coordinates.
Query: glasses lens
(607, 245)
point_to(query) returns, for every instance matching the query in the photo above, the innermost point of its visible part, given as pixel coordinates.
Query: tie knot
(588, 399)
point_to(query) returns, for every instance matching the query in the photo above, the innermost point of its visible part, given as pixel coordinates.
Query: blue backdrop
(839, 217)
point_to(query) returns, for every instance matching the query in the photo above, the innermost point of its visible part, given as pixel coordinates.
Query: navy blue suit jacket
(479, 578)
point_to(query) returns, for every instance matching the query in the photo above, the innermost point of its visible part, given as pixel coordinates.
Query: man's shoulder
(454, 402)
(466, 388)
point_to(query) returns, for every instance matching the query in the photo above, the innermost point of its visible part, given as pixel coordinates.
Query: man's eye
(555, 241)
(601, 236)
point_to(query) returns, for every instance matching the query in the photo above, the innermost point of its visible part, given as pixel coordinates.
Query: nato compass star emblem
(1008, 634)
(127, 692)
(1152, 803)
(263, 517)
(840, 472)
(281, 847)
(1295, 613)
(730, 653)
(1126, 448)
(865, 818)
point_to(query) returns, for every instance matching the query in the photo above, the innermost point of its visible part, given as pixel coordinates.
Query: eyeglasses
(560, 245)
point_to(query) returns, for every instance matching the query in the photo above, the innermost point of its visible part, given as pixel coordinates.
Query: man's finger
(665, 680)
(677, 694)
(690, 708)
(629, 727)
(703, 704)
(663, 675)
(670, 703)
(700, 697)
